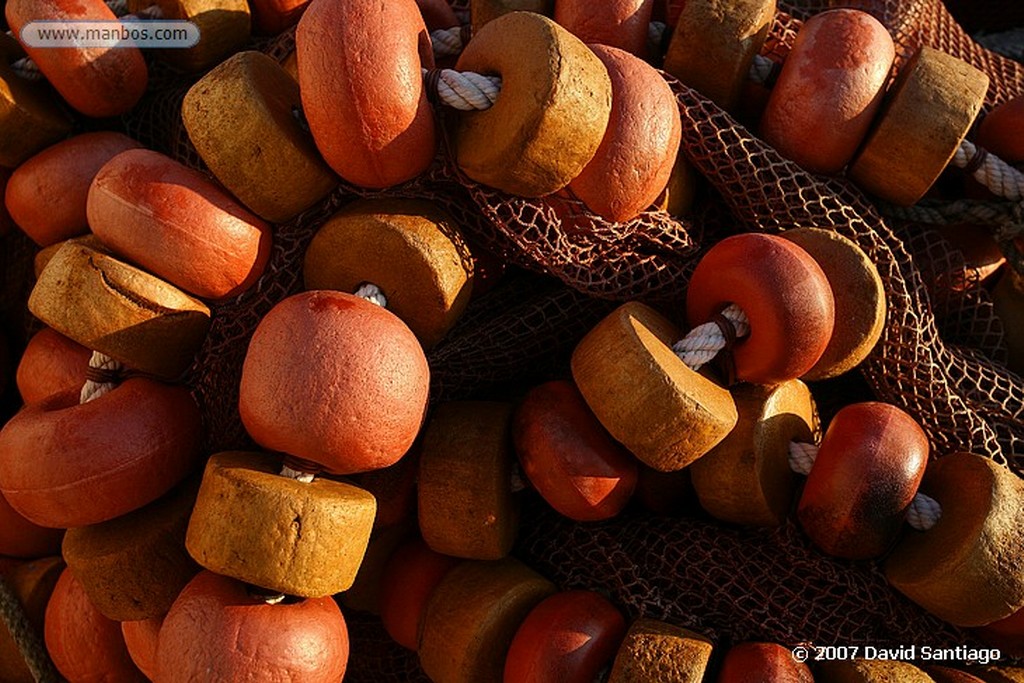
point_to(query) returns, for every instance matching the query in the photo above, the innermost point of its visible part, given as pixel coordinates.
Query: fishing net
(939, 358)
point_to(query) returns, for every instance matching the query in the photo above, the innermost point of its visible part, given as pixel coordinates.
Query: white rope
(118, 7)
(704, 342)
(941, 212)
(923, 513)
(801, 456)
(27, 69)
(994, 173)
(92, 390)
(518, 479)
(466, 90)
(373, 294)
(655, 35)
(297, 475)
(761, 69)
(447, 42)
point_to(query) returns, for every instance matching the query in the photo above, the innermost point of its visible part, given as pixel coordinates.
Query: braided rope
(923, 513)
(655, 35)
(1007, 43)
(467, 91)
(801, 456)
(704, 342)
(998, 176)
(118, 7)
(98, 385)
(939, 212)
(298, 475)
(372, 293)
(30, 643)
(447, 42)
(761, 69)
(27, 69)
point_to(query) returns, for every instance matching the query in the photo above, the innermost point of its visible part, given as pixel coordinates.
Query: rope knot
(976, 161)
(726, 361)
(102, 376)
(431, 79)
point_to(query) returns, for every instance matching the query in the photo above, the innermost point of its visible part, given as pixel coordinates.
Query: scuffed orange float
(783, 292)
(46, 195)
(218, 631)
(409, 579)
(174, 223)
(65, 464)
(868, 469)
(336, 380)
(621, 24)
(83, 644)
(633, 163)
(141, 639)
(569, 457)
(51, 364)
(568, 638)
(362, 90)
(97, 81)
(829, 90)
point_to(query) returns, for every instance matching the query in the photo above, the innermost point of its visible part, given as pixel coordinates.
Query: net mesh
(939, 356)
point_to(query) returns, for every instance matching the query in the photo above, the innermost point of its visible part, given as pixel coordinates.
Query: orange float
(999, 131)
(177, 225)
(568, 638)
(1007, 634)
(51, 364)
(829, 90)
(437, 14)
(97, 81)
(569, 457)
(868, 469)
(362, 90)
(83, 644)
(943, 674)
(270, 17)
(409, 579)
(334, 379)
(32, 584)
(762, 663)
(621, 24)
(394, 489)
(46, 195)
(634, 161)
(784, 294)
(21, 538)
(65, 464)
(141, 638)
(5, 218)
(217, 630)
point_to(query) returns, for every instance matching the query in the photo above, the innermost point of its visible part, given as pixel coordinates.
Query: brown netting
(939, 356)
